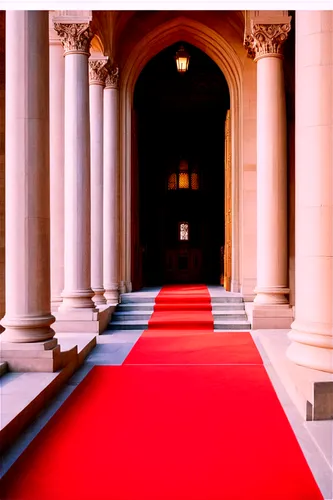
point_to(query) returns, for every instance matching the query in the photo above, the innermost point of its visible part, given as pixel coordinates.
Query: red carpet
(183, 433)
(184, 308)
(157, 347)
(201, 431)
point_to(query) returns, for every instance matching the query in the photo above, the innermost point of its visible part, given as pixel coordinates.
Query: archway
(227, 60)
(178, 190)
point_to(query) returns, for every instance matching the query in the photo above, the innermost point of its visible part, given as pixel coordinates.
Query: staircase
(136, 308)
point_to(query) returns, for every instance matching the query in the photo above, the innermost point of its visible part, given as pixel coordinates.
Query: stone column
(312, 330)
(57, 109)
(97, 75)
(28, 318)
(111, 186)
(77, 293)
(272, 237)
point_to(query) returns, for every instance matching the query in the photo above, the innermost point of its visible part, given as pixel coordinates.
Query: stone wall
(2, 164)
(289, 69)
(249, 181)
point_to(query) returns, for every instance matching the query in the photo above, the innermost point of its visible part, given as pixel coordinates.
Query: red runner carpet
(193, 432)
(184, 308)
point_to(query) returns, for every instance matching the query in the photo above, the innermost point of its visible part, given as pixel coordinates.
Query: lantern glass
(182, 60)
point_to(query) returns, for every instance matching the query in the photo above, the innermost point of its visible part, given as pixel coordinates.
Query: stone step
(130, 298)
(229, 324)
(146, 315)
(135, 306)
(128, 325)
(237, 315)
(226, 299)
(225, 324)
(149, 306)
(131, 315)
(3, 368)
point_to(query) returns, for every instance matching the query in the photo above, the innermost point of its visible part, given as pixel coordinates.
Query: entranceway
(179, 136)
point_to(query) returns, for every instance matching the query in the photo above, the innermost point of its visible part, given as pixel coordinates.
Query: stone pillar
(312, 330)
(111, 186)
(97, 75)
(77, 293)
(271, 308)
(28, 318)
(57, 109)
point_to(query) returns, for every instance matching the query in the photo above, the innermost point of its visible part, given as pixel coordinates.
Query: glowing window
(184, 177)
(183, 231)
(172, 181)
(194, 181)
(183, 180)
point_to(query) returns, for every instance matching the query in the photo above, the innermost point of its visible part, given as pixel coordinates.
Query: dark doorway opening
(178, 171)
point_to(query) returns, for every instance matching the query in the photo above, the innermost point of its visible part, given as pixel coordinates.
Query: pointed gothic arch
(223, 54)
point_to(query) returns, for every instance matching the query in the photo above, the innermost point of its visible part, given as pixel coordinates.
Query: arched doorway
(178, 191)
(216, 47)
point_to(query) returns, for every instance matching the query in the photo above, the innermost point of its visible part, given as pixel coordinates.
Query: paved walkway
(112, 349)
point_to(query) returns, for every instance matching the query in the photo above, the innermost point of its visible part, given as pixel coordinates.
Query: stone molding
(112, 79)
(97, 71)
(75, 37)
(266, 40)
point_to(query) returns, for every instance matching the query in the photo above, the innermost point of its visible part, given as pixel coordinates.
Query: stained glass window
(194, 181)
(183, 180)
(184, 177)
(172, 181)
(183, 231)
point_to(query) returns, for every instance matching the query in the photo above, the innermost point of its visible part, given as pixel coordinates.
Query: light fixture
(182, 60)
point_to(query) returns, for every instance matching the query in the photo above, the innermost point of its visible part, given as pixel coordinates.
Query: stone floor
(315, 438)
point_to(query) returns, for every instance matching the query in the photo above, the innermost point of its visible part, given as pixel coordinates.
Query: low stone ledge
(28, 393)
(310, 390)
(73, 322)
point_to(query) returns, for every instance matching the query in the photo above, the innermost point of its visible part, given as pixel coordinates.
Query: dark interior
(179, 121)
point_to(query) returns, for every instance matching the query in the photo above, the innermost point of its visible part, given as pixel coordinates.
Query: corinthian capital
(97, 71)
(266, 40)
(112, 79)
(75, 37)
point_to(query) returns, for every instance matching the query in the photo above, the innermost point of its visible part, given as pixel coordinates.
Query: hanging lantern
(182, 60)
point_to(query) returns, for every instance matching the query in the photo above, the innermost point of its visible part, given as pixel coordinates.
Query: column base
(128, 285)
(98, 298)
(77, 300)
(271, 295)
(269, 316)
(112, 295)
(32, 356)
(122, 287)
(310, 390)
(56, 303)
(311, 349)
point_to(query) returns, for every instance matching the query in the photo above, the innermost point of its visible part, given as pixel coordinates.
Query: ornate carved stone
(97, 71)
(266, 39)
(75, 37)
(112, 79)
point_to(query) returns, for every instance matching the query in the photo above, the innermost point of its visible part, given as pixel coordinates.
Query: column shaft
(312, 330)
(77, 292)
(28, 317)
(272, 244)
(57, 109)
(96, 126)
(111, 187)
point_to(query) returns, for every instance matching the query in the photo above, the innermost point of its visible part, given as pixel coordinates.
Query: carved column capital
(266, 40)
(75, 37)
(112, 79)
(97, 71)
